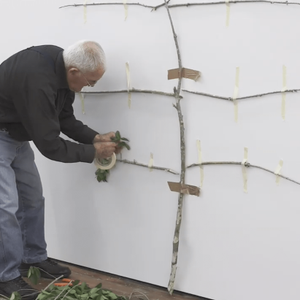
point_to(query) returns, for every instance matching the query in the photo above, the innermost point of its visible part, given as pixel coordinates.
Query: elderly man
(37, 88)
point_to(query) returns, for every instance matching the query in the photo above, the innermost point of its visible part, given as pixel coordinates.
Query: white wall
(234, 245)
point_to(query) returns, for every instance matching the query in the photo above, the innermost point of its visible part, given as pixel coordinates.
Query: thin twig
(56, 279)
(133, 90)
(70, 289)
(241, 98)
(125, 161)
(63, 290)
(139, 292)
(153, 8)
(248, 165)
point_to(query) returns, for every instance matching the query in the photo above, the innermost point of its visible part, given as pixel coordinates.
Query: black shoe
(48, 268)
(18, 285)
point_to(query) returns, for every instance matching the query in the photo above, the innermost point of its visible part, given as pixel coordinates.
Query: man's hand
(104, 137)
(105, 149)
(100, 138)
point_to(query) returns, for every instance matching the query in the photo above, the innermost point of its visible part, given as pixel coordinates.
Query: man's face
(77, 79)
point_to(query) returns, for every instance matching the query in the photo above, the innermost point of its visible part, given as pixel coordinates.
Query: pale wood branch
(183, 168)
(232, 2)
(247, 164)
(134, 162)
(132, 90)
(241, 98)
(153, 8)
(116, 3)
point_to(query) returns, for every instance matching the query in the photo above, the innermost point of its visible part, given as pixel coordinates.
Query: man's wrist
(97, 138)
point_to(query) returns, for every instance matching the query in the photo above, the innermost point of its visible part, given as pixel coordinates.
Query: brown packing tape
(184, 188)
(186, 73)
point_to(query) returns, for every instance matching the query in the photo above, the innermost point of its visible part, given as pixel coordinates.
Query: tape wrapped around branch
(106, 164)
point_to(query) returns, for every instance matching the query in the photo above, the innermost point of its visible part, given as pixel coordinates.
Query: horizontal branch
(241, 98)
(248, 165)
(115, 3)
(232, 2)
(153, 8)
(125, 161)
(133, 90)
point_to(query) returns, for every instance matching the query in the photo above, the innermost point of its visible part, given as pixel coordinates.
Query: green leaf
(34, 274)
(118, 135)
(113, 139)
(94, 291)
(15, 296)
(124, 139)
(99, 285)
(123, 144)
(75, 282)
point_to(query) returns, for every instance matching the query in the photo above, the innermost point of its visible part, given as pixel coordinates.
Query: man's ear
(73, 71)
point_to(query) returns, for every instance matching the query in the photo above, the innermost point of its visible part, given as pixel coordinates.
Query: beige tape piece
(200, 162)
(85, 11)
(108, 165)
(283, 92)
(184, 188)
(185, 73)
(82, 103)
(278, 170)
(128, 84)
(236, 93)
(227, 12)
(245, 160)
(126, 9)
(151, 161)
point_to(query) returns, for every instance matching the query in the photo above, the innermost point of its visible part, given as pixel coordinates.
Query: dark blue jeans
(21, 208)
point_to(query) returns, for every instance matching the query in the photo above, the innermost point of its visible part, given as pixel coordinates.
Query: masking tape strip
(82, 103)
(235, 93)
(227, 12)
(128, 84)
(283, 90)
(184, 188)
(106, 166)
(244, 169)
(85, 11)
(151, 161)
(126, 9)
(277, 171)
(200, 162)
(185, 73)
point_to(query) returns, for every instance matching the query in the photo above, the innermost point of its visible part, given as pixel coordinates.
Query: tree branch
(125, 161)
(133, 90)
(153, 8)
(116, 3)
(248, 165)
(241, 98)
(183, 168)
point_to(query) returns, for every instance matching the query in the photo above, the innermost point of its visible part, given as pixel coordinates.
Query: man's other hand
(105, 149)
(104, 137)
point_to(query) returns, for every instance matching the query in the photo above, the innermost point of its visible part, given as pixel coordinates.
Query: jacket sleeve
(34, 95)
(72, 127)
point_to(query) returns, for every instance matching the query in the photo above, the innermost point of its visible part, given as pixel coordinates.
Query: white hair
(87, 56)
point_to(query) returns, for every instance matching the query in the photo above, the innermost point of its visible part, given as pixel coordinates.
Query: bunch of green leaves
(78, 291)
(121, 141)
(101, 175)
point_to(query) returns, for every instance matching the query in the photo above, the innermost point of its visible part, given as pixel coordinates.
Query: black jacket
(36, 104)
